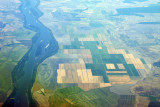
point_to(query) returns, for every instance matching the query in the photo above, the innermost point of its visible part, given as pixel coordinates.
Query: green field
(77, 97)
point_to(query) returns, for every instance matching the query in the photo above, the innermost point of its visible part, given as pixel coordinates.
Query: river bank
(43, 46)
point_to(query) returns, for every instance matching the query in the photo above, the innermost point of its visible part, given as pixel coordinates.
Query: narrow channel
(43, 45)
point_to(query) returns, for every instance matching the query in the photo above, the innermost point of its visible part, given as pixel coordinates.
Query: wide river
(43, 46)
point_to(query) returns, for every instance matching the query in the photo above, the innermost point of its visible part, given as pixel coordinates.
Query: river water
(43, 46)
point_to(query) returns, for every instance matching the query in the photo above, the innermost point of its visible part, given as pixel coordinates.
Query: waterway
(43, 45)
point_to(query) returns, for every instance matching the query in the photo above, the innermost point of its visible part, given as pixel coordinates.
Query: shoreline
(24, 73)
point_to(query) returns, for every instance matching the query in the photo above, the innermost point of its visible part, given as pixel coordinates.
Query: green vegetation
(57, 101)
(22, 33)
(8, 60)
(10, 54)
(5, 76)
(126, 101)
(77, 97)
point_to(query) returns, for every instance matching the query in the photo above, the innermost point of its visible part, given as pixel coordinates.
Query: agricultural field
(101, 46)
(15, 41)
(108, 52)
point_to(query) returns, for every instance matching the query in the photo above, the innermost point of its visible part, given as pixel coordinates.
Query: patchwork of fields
(106, 52)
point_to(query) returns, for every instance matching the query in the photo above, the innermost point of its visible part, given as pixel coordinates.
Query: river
(43, 45)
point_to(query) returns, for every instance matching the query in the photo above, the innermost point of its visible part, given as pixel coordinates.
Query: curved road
(43, 46)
